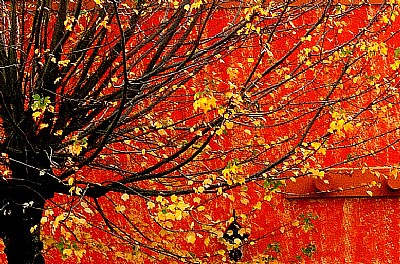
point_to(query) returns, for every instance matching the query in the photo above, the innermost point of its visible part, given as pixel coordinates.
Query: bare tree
(158, 99)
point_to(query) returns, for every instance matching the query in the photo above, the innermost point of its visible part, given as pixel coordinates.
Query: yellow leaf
(196, 199)
(229, 125)
(75, 149)
(78, 191)
(150, 205)
(205, 103)
(369, 193)
(41, 126)
(257, 206)
(33, 228)
(322, 150)
(182, 205)
(221, 252)
(58, 133)
(120, 208)
(178, 215)
(125, 197)
(348, 127)
(201, 189)
(174, 198)
(70, 181)
(191, 237)
(79, 253)
(207, 241)
(315, 145)
(67, 252)
(64, 63)
(207, 182)
(201, 208)
(36, 114)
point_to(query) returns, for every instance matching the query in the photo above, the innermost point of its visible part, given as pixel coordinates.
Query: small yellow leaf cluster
(77, 145)
(317, 146)
(317, 173)
(395, 65)
(75, 190)
(98, 2)
(232, 72)
(104, 23)
(307, 38)
(340, 123)
(205, 103)
(63, 63)
(174, 210)
(125, 197)
(120, 208)
(374, 48)
(231, 173)
(39, 106)
(69, 22)
(191, 237)
(257, 206)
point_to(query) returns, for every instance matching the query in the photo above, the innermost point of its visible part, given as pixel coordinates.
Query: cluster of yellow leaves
(395, 65)
(189, 7)
(69, 22)
(374, 48)
(99, 2)
(63, 63)
(304, 55)
(191, 237)
(316, 173)
(317, 146)
(251, 15)
(232, 173)
(232, 72)
(66, 218)
(39, 106)
(77, 145)
(104, 23)
(169, 210)
(393, 15)
(204, 103)
(339, 124)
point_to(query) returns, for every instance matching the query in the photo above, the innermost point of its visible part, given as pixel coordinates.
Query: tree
(107, 106)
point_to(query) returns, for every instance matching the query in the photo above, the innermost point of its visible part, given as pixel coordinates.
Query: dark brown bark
(22, 200)
(21, 245)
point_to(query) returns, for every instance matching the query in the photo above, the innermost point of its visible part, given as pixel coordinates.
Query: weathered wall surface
(348, 230)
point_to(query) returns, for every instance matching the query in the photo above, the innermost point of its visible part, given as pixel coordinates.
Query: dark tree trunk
(21, 245)
(22, 200)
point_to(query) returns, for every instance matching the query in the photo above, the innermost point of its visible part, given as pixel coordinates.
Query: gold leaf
(191, 237)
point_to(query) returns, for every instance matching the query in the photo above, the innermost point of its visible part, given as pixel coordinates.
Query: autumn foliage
(132, 130)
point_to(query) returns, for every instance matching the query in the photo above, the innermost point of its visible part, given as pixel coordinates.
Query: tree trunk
(22, 200)
(21, 233)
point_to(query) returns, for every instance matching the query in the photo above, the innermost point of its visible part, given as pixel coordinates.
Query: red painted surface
(348, 230)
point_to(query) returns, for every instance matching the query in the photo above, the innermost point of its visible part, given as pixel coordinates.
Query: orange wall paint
(349, 230)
